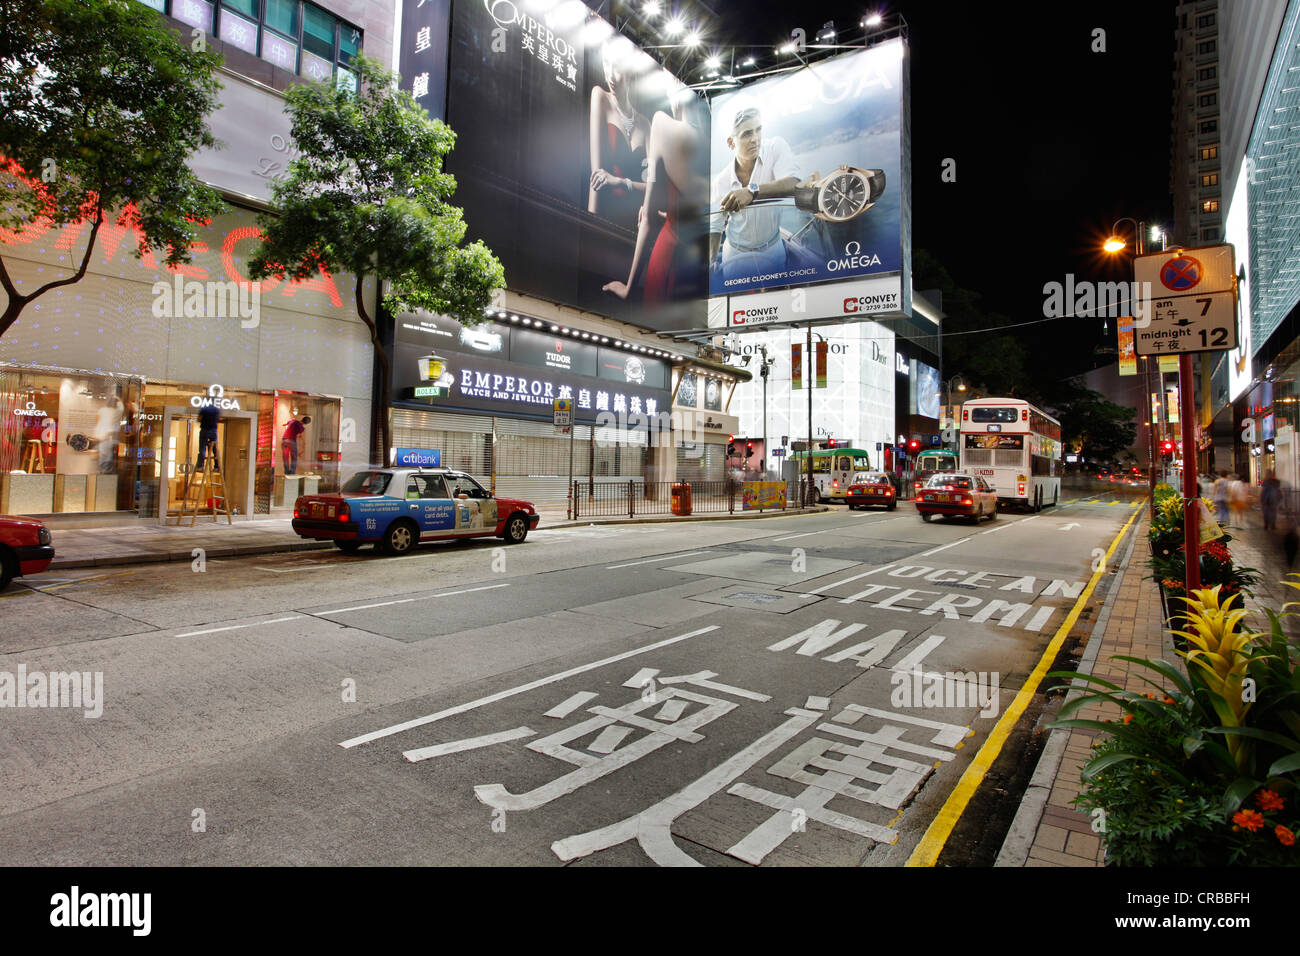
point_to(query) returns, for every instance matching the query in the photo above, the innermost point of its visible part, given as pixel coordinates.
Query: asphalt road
(726, 693)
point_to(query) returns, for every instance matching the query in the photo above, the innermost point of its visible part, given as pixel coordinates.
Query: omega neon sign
(215, 397)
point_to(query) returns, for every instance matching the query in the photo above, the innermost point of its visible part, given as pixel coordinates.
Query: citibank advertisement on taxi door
(809, 175)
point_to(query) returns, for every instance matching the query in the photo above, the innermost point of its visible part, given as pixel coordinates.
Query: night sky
(1053, 142)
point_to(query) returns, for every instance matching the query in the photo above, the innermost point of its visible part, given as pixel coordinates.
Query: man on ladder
(205, 489)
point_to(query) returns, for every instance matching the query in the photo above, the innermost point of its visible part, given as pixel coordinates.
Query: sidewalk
(147, 541)
(1047, 829)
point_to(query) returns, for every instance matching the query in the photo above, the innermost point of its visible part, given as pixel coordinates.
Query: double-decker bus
(833, 469)
(1015, 447)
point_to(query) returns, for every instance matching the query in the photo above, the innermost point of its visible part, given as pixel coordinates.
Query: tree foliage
(1102, 428)
(996, 362)
(367, 194)
(100, 107)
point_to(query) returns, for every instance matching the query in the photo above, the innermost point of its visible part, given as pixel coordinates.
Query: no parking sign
(1192, 304)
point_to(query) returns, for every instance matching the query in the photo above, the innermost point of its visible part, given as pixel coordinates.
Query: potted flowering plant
(1206, 770)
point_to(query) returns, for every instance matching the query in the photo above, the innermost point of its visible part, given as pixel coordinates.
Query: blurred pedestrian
(1270, 497)
(1221, 498)
(1238, 501)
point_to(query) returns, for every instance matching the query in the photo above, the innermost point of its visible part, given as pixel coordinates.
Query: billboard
(808, 175)
(509, 370)
(557, 119)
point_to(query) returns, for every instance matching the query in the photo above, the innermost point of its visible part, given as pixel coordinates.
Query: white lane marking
(805, 534)
(236, 627)
(427, 597)
(640, 678)
(944, 547)
(521, 689)
(305, 567)
(818, 703)
(652, 828)
(608, 739)
(1067, 527)
(632, 564)
(1001, 527)
(671, 710)
(569, 705)
(835, 584)
(469, 743)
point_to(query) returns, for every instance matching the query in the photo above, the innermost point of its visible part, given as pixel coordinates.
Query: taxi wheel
(8, 568)
(993, 513)
(347, 547)
(891, 506)
(400, 538)
(516, 529)
(926, 516)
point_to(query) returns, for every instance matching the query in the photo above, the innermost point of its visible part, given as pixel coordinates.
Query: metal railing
(631, 498)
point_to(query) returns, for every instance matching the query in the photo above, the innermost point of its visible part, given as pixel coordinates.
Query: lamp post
(1191, 494)
(1114, 245)
(948, 387)
(765, 363)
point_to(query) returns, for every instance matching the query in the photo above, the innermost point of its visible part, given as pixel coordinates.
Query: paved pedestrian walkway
(145, 541)
(1049, 830)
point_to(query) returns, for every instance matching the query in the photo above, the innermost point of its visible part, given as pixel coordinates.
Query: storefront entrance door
(180, 454)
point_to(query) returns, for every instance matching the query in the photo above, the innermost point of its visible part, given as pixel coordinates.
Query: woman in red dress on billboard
(618, 140)
(670, 151)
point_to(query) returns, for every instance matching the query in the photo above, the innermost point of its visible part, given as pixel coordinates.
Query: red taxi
(397, 508)
(871, 488)
(958, 495)
(25, 548)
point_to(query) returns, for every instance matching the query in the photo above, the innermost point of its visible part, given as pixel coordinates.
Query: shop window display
(67, 441)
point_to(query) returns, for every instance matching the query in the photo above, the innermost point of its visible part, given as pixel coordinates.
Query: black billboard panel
(557, 116)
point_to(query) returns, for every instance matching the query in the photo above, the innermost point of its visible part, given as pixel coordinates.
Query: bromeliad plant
(1169, 558)
(1186, 776)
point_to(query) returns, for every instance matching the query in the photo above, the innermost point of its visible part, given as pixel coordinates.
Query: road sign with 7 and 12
(1193, 301)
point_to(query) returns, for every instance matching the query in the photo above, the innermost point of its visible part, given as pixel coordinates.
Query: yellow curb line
(936, 836)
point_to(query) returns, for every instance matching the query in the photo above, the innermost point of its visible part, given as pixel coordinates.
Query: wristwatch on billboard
(79, 442)
(843, 194)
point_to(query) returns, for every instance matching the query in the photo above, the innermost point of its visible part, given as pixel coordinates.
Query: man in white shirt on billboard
(751, 240)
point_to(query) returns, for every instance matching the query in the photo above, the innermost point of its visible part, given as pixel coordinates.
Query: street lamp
(955, 382)
(1113, 245)
(1191, 494)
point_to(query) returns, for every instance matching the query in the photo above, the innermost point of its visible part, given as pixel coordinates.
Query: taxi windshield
(948, 481)
(367, 483)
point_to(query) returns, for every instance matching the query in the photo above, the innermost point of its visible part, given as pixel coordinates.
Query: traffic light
(749, 449)
(1167, 448)
(731, 449)
(913, 446)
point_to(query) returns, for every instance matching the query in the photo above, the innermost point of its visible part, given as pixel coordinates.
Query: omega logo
(216, 397)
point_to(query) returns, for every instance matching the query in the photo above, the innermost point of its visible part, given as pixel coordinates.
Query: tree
(995, 361)
(100, 105)
(1103, 428)
(367, 195)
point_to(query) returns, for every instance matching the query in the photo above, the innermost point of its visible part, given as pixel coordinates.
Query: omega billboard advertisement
(810, 183)
(579, 160)
(507, 370)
